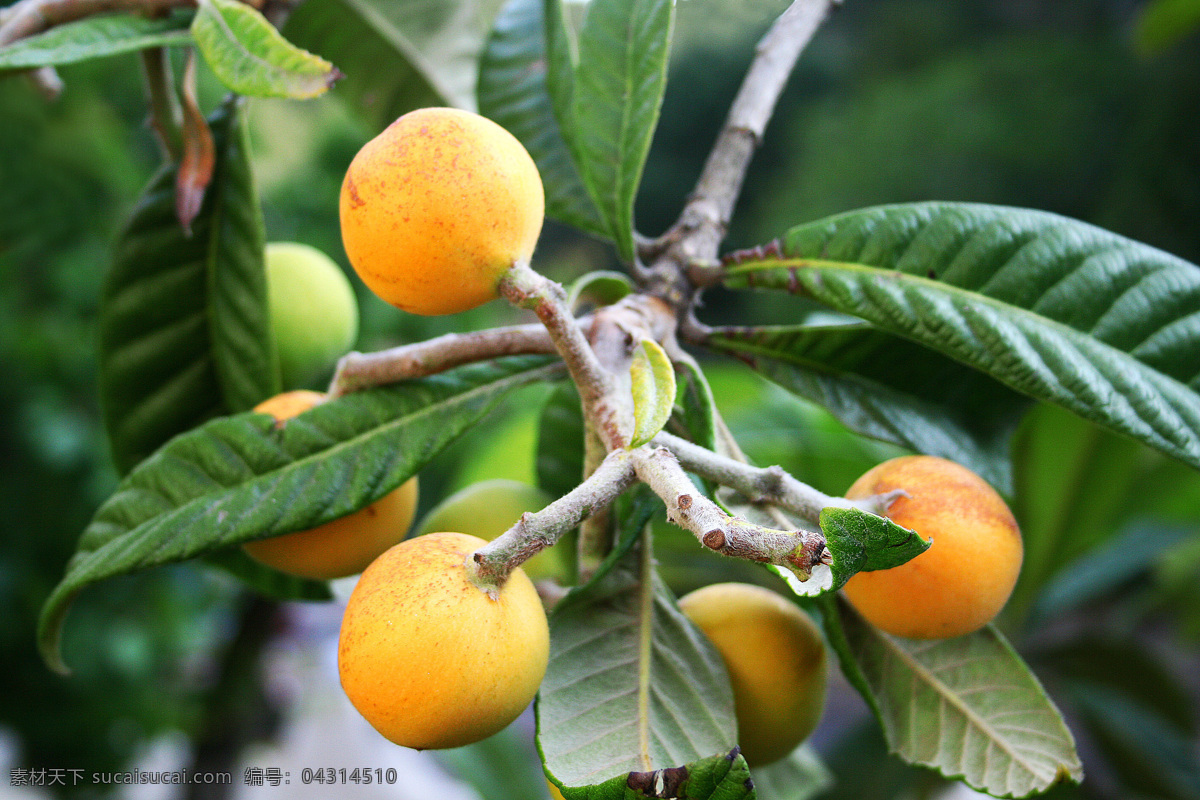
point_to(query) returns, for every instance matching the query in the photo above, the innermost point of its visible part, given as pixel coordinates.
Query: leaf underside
(397, 55)
(252, 58)
(968, 707)
(632, 686)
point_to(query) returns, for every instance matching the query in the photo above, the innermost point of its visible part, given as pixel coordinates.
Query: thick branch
(695, 239)
(489, 566)
(598, 388)
(799, 551)
(363, 370)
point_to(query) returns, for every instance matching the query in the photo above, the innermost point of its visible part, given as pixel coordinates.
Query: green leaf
(720, 777)
(1105, 570)
(967, 707)
(1150, 756)
(1162, 24)
(250, 56)
(184, 331)
(96, 37)
(889, 389)
(1128, 666)
(397, 55)
(512, 91)
(600, 288)
(653, 384)
(861, 541)
(800, 776)
(615, 98)
(560, 441)
(695, 413)
(1056, 309)
(632, 686)
(240, 478)
(1078, 486)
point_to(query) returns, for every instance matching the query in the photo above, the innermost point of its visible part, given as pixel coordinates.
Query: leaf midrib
(318, 455)
(949, 696)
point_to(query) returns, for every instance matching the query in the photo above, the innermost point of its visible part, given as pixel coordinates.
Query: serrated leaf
(862, 541)
(632, 686)
(889, 389)
(240, 478)
(397, 55)
(512, 91)
(653, 386)
(251, 57)
(719, 777)
(615, 97)
(184, 331)
(95, 37)
(967, 707)
(1054, 308)
(560, 441)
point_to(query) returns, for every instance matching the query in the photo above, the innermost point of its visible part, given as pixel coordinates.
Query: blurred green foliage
(1041, 104)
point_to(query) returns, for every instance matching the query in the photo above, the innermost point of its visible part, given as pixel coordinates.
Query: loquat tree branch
(603, 405)
(687, 507)
(363, 370)
(489, 566)
(693, 242)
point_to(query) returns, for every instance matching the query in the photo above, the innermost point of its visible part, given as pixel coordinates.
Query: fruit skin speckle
(429, 659)
(437, 207)
(964, 579)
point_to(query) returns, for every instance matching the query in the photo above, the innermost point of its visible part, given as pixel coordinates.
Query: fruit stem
(598, 388)
(489, 566)
(688, 508)
(363, 370)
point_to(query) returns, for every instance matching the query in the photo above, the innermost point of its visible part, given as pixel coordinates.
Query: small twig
(47, 81)
(363, 370)
(28, 17)
(166, 115)
(602, 403)
(765, 484)
(687, 507)
(490, 566)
